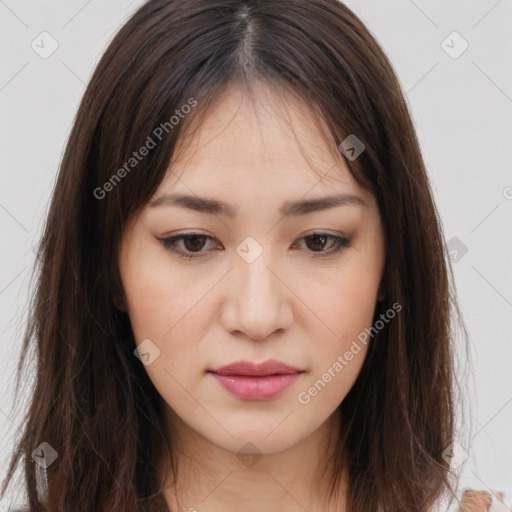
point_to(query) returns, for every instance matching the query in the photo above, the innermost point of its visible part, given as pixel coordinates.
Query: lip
(248, 368)
(252, 381)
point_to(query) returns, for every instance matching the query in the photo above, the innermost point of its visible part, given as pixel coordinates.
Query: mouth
(252, 381)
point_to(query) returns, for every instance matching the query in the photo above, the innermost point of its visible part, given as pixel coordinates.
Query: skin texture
(289, 304)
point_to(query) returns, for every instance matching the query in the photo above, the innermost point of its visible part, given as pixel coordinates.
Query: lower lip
(256, 388)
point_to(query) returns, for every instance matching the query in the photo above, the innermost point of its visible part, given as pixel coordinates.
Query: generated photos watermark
(151, 142)
(304, 397)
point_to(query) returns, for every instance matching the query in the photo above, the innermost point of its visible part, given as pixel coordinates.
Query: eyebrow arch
(300, 207)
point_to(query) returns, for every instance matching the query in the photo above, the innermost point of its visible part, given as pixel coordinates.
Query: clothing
(482, 501)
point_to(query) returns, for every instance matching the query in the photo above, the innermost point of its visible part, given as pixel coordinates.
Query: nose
(257, 302)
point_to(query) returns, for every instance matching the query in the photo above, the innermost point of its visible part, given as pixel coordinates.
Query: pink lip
(250, 381)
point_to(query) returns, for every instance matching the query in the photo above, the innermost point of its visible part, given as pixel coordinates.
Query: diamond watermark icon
(147, 352)
(44, 455)
(249, 249)
(454, 45)
(351, 147)
(456, 249)
(249, 454)
(44, 45)
(455, 455)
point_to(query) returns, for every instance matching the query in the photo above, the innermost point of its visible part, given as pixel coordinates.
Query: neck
(209, 477)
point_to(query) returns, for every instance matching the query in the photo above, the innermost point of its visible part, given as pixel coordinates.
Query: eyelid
(168, 240)
(341, 242)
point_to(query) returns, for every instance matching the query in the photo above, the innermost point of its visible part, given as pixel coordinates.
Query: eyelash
(340, 243)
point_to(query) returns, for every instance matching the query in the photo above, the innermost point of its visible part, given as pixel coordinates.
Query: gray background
(462, 108)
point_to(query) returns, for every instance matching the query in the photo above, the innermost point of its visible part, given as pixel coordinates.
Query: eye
(318, 240)
(193, 243)
(190, 245)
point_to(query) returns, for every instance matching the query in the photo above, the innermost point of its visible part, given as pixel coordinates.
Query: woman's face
(260, 284)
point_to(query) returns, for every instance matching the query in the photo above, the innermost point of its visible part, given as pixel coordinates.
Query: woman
(243, 298)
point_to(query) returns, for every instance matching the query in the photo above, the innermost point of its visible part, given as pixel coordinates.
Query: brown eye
(192, 244)
(318, 241)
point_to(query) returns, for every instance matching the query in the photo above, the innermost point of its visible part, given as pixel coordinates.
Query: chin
(257, 444)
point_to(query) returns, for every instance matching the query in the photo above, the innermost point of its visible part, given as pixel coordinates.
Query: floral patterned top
(482, 501)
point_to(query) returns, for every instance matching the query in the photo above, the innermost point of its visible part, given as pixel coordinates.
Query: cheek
(159, 298)
(162, 310)
(344, 304)
(167, 307)
(339, 346)
(354, 303)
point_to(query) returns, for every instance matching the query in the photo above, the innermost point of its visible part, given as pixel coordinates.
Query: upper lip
(269, 367)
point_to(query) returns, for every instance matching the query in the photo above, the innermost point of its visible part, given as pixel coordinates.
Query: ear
(382, 290)
(117, 294)
(119, 302)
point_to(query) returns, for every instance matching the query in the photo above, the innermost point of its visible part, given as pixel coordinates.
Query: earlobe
(118, 303)
(117, 293)
(118, 298)
(381, 293)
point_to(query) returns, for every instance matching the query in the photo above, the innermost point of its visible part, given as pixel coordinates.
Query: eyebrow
(300, 207)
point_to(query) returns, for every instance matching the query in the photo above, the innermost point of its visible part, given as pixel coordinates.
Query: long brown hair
(93, 401)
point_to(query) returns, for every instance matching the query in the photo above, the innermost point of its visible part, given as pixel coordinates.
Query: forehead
(271, 140)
